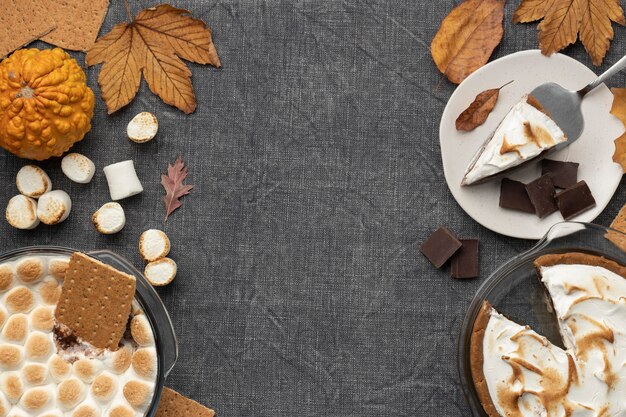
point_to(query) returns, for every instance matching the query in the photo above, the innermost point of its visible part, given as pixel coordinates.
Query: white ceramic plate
(593, 150)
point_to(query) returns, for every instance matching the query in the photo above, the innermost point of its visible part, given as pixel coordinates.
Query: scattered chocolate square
(513, 195)
(440, 246)
(575, 200)
(541, 193)
(564, 174)
(465, 262)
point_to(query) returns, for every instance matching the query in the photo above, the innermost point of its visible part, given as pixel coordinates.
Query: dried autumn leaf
(152, 45)
(564, 21)
(618, 109)
(174, 187)
(478, 111)
(467, 37)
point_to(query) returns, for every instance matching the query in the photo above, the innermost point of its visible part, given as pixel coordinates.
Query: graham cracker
(96, 301)
(173, 404)
(21, 22)
(78, 22)
(619, 224)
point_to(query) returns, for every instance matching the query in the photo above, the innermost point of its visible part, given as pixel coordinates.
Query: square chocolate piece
(465, 263)
(513, 195)
(440, 247)
(541, 193)
(564, 174)
(575, 200)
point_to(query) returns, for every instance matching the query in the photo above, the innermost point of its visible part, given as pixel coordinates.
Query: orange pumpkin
(45, 104)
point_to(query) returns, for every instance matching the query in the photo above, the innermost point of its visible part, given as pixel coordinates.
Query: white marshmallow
(143, 127)
(54, 207)
(122, 180)
(78, 168)
(22, 212)
(161, 272)
(32, 181)
(153, 245)
(109, 218)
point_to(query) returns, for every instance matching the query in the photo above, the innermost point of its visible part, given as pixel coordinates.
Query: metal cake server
(564, 106)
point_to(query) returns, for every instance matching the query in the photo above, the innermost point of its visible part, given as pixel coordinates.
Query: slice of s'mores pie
(526, 132)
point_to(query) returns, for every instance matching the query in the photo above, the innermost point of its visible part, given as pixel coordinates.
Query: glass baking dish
(514, 290)
(165, 338)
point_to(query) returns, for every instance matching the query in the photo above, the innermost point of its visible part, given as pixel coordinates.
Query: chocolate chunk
(575, 200)
(541, 193)
(440, 246)
(564, 174)
(513, 196)
(465, 263)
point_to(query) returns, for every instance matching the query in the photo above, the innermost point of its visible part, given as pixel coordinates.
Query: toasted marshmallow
(35, 374)
(30, 270)
(144, 362)
(143, 127)
(120, 360)
(86, 410)
(21, 212)
(5, 406)
(35, 399)
(137, 393)
(32, 181)
(11, 356)
(122, 180)
(59, 369)
(78, 168)
(6, 277)
(16, 328)
(50, 291)
(523, 134)
(140, 331)
(38, 346)
(3, 315)
(42, 318)
(87, 369)
(70, 393)
(121, 411)
(153, 245)
(57, 268)
(109, 218)
(20, 300)
(54, 207)
(161, 272)
(12, 386)
(104, 387)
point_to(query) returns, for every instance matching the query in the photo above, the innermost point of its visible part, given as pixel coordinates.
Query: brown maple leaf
(467, 37)
(152, 45)
(479, 110)
(174, 187)
(564, 21)
(618, 109)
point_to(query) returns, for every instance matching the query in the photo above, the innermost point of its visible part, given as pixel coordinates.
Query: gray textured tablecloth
(315, 158)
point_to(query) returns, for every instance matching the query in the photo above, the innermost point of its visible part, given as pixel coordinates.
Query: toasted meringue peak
(20, 300)
(161, 272)
(54, 207)
(30, 270)
(143, 127)
(21, 212)
(104, 387)
(70, 393)
(144, 362)
(32, 181)
(153, 245)
(35, 373)
(35, 399)
(59, 368)
(109, 218)
(42, 318)
(38, 346)
(78, 168)
(140, 331)
(16, 328)
(57, 268)
(11, 356)
(50, 291)
(6, 277)
(12, 386)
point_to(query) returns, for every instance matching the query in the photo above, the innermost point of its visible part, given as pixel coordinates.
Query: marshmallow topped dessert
(524, 133)
(517, 372)
(46, 370)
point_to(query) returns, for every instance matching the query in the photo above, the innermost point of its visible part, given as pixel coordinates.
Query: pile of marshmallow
(154, 246)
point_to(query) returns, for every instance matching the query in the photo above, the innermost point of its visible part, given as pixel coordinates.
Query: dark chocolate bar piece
(575, 200)
(564, 174)
(465, 262)
(541, 193)
(440, 246)
(513, 196)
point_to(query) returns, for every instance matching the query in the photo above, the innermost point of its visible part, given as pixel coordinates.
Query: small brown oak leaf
(467, 37)
(618, 109)
(152, 45)
(174, 187)
(565, 21)
(479, 110)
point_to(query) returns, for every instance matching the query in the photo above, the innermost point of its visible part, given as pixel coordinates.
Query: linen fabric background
(315, 158)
